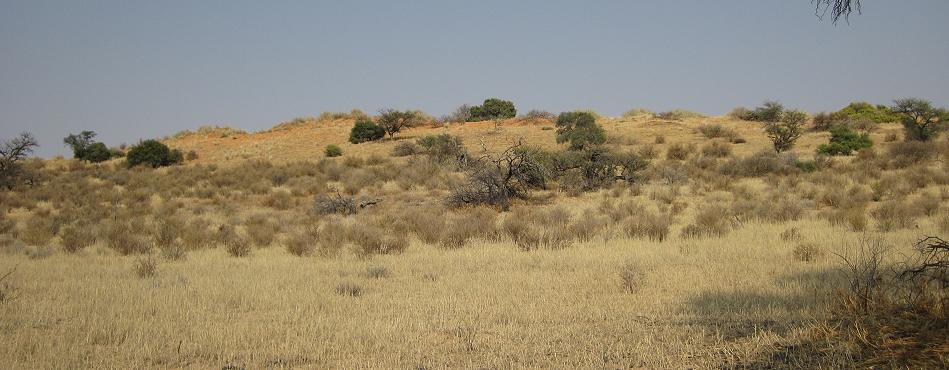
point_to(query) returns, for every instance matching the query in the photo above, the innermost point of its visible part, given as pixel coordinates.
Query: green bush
(365, 130)
(96, 153)
(333, 150)
(492, 108)
(580, 130)
(785, 131)
(154, 154)
(844, 141)
(858, 111)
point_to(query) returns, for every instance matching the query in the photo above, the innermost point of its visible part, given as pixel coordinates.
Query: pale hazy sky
(138, 69)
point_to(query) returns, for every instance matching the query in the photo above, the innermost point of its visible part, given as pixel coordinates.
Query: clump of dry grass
(791, 234)
(370, 240)
(348, 288)
(302, 243)
(145, 266)
(38, 230)
(261, 229)
(376, 272)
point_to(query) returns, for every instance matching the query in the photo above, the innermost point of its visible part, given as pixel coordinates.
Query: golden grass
(700, 303)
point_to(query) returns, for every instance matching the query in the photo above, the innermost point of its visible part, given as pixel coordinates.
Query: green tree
(392, 121)
(785, 131)
(333, 150)
(365, 130)
(580, 130)
(79, 142)
(921, 121)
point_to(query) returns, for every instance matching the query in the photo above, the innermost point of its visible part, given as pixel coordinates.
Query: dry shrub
(588, 226)
(235, 244)
(77, 237)
(335, 204)
(279, 199)
(907, 153)
(302, 243)
(38, 230)
(478, 222)
(526, 230)
(717, 149)
(791, 234)
(333, 234)
(370, 240)
(711, 221)
(807, 252)
(8, 291)
(145, 266)
(943, 222)
(631, 276)
(348, 288)
(427, 223)
(715, 130)
(6, 224)
(196, 234)
(927, 204)
(892, 215)
(647, 152)
(678, 152)
(654, 225)
(262, 231)
(122, 236)
(660, 139)
(760, 164)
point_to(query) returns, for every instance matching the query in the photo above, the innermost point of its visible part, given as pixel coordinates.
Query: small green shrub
(333, 150)
(715, 130)
(443, 148)
(844, 141)
(580, 130)
(365, 130)
(152, 153)
(865, 111)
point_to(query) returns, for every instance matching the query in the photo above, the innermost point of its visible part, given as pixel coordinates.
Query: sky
(132, 70)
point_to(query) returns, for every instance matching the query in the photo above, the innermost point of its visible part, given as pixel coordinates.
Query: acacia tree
(12, 152)
(392, 121)
(785, 132)
(580, 130)
(920, 119)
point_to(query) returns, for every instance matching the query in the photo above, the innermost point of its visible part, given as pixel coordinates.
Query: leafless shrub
(405, 149)
(145, 266)
(807, 252)
(77, 237)
(235, 244)
(262, 231)
(717, 149)
(678, 152)
(631, 277)
(38, 230)
(122, 237)
(338, 204)
(302, 242)
(791, 234)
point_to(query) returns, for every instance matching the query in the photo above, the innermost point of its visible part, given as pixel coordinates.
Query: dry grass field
(718, 256)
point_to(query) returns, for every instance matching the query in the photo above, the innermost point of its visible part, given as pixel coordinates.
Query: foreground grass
(728, 301)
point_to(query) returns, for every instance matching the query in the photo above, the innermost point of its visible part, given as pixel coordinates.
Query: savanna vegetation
(670, 240)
